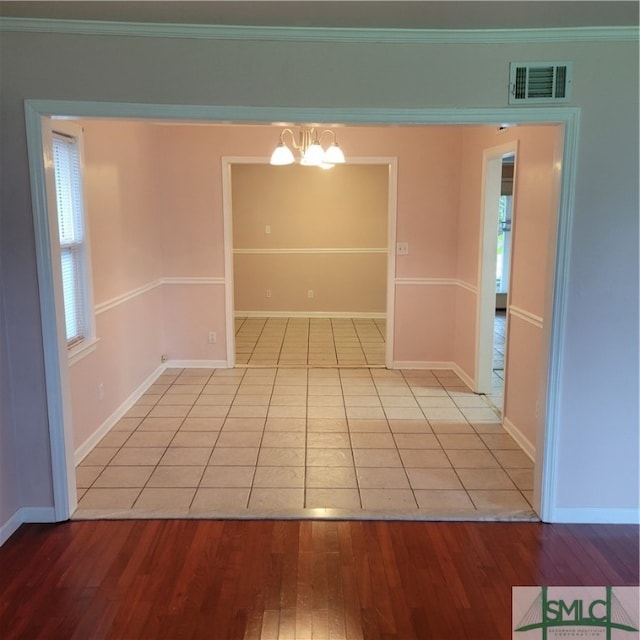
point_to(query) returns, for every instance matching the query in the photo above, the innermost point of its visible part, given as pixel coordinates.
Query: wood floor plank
(288, 580)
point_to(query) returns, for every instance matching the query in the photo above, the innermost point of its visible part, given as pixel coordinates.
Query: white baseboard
(594, 515)
(10, 527)
(464, 376)
(451, 366)
(519, 437)
(197, 364)
(312, 314)
(83, 450)
(422, 364)
(22, 515)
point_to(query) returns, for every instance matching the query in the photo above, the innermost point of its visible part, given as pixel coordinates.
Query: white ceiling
(395, 14)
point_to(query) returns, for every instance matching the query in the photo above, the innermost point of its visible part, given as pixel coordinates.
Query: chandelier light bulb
(313, 156)
(334, 155)
(282, 155)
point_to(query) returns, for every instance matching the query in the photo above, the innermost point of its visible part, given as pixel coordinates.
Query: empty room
(317, 319)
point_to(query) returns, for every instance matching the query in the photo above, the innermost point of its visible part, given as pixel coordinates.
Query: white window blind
(66, 163)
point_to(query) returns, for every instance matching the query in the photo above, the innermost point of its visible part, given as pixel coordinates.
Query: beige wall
(341, 213)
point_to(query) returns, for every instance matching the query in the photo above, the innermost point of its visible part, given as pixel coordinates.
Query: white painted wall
(597, 458)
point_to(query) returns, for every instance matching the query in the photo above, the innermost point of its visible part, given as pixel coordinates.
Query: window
(73, 243)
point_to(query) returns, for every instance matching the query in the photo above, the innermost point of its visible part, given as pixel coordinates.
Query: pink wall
(464, 337)
(189, 211)
(128, 351)
(427, 209)
(526, 362)
(121, 192)
(190, 312)
(121, 209)
(533, 235)
(423, 329)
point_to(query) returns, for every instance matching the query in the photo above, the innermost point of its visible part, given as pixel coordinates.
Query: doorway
(506, 212)
(488, 382)
(63, 484)
(310, 262)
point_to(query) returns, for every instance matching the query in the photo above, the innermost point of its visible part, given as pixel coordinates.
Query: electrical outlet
(402, 248)
(267, 229)
(101, 391)
(267, 293)
(212, 337)
(310, 293)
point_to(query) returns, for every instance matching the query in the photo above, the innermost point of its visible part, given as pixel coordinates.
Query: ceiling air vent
(540, 82)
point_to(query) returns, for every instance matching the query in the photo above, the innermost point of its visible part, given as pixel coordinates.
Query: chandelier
(312, 153)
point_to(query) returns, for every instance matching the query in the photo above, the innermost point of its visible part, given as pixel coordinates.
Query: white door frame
(485, 310)
(227, 207)
(60, 428)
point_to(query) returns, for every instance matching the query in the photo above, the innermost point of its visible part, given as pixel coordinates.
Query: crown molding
(316, 34)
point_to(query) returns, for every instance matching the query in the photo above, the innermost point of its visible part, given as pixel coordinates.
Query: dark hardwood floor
(219, 580)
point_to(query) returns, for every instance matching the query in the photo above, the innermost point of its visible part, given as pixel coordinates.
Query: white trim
(423, 364)
(392, 221)
(451, 282)
(313, 250)
(196, 280)
(125, 297)
(56, 367)
(463, 375)
(548, 441)
(595, 515)
(377, 315)
(10, 526)
(536, 321)
(391, 162)
(436, 281)
(129, 295)
(469, 287)
(24, 515)
(38, 514)
(524, 443)
(197, 364)
(318, 34)
(426, 281)
(82, 350)
(88, 445)
(242, 114)
(227, 223)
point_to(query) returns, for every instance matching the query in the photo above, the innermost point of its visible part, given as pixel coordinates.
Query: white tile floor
(282, 441)
(310, 341)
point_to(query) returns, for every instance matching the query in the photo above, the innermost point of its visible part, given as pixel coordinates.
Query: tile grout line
(353, 458)
(235, 395)
(450, 388)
